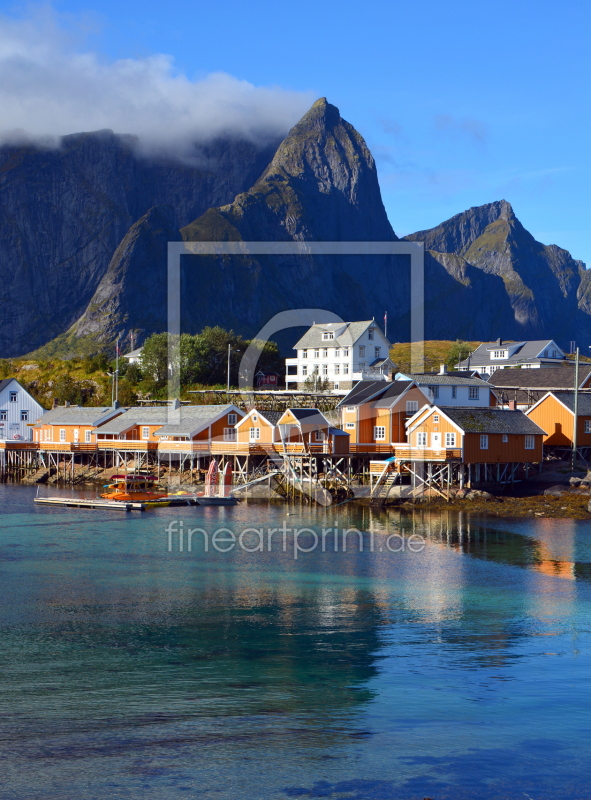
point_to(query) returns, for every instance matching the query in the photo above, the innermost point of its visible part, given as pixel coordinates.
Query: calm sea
(457, 668)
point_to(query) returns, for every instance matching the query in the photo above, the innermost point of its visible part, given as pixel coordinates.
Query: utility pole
(228, 376)
(576, 410)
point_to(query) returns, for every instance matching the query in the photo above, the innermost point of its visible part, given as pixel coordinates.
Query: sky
(460, 103)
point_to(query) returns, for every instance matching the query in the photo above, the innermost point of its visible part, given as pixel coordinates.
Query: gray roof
(272, 417)
(310, 416)
(183, 420)
(490, 420)
(77, 415)
(546, 378)
(4, 383)
(447, 379)
(134, 353)
(527, 351)
(568, 399)
(392, 393)
(351, 333)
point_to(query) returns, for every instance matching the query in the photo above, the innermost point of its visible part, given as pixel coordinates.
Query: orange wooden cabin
(555, 413)
(475, 435)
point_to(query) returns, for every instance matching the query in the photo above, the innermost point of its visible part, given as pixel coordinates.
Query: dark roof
(346, 334)
(568, 399)
(392, 393)
(4, 383)
(366, 390)
(309, 416)
(546, 378)
(490, 420)
(271, 416)
(448, 379)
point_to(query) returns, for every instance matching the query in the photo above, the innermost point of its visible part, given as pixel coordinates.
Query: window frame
(379, 433)
(421, 439)
(412, 406)
(450, 438)
(484, 441)
(473, 392)
(145, 436)
(529, 442)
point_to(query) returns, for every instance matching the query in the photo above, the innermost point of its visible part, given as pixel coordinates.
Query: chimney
(499, 342)
(512, 405)
(443, 369)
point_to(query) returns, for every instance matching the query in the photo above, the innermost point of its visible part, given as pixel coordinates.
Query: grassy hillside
(436, 353)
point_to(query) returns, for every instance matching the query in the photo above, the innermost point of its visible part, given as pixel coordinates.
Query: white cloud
(49, 86)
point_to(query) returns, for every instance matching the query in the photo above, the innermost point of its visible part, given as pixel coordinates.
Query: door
(76, 434)
(436, 441)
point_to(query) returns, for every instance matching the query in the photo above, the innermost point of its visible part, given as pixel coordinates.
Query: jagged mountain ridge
(319, 184)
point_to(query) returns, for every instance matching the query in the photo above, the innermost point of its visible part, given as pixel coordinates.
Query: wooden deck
(66, 447)
(17, 444)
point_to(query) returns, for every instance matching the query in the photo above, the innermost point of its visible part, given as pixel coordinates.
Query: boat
(135, 488)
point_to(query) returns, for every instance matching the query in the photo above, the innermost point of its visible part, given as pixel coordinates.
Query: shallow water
(459, 670)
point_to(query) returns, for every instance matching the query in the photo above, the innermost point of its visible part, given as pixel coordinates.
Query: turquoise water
(460, 670)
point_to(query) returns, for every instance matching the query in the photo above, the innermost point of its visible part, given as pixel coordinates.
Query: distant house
(374, 413)
(518, 388)
(555, 413)
(454, 388)
(266, 379)
(18, 409)
(341, 353)
(72, 428)
(134, 357)
(478, 435)
(491, 356)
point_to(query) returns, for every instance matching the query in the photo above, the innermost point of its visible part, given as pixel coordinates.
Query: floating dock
(129, 505)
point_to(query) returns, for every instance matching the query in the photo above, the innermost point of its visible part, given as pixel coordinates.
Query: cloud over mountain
(51, 86)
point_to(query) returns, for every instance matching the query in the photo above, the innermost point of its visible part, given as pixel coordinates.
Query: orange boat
(134, 488)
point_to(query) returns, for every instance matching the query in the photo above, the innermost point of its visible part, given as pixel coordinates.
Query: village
(348, 426)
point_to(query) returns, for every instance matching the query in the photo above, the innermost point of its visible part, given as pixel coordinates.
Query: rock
(589, 506)
(479, 494)
(574, 481)
(462, 493)
(557, 490)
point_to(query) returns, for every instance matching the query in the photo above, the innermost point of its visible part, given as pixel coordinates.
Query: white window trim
(484, 441)
(145, 432)
(530, 442)
(450, 439)
(379, 433)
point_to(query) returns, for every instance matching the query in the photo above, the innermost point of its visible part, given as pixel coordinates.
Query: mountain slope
(64, 211)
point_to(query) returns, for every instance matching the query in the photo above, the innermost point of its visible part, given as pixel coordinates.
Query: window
(377, 352)
(254, 417)
(412, 406)
(88, 437)
(421, 439)
(370, 334)
(325, 369)
(450, 440)
(350, 425)
(345, 369)
(361, 351)
(315, 370)
(325, 353)
(337, 353)
(232, 419)
(305, 369)
(145, 432)
(345, 351)
(337, 369)
(379, 433)
(319, 436)
(436, 419)
(350, 409)
(255, 434)
(530, 442)
(24, 416)
(292, 369)
(362, 365)
(454, 392)
(434, 391)
(3, 414)
(327, 335)
(473, 392)
(304, 354)
(499, 354)
(484, 441)
(505, 438)
(588, 426)
(229, 434)
(62, 434)
(316, 353)
(13, 397)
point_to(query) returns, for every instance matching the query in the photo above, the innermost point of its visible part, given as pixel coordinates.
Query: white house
(134, 357)
(342, 353)
(491, 356)
(453, 388)
(17, 409)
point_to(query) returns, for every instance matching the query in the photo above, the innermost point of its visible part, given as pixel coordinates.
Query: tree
(66, 390)
(458, 351)
(154, 359)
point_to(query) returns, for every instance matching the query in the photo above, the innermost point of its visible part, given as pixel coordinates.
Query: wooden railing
(68, 447)
(126, 444)
(183, 447)
(17, 444)
(372, 447)
(427, 454)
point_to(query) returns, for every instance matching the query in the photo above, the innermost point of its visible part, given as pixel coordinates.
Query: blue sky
(460, 103)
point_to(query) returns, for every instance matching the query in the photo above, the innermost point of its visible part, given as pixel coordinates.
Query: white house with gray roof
(491, 356)
(18, 409)
(453, 388)
(341, 353)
